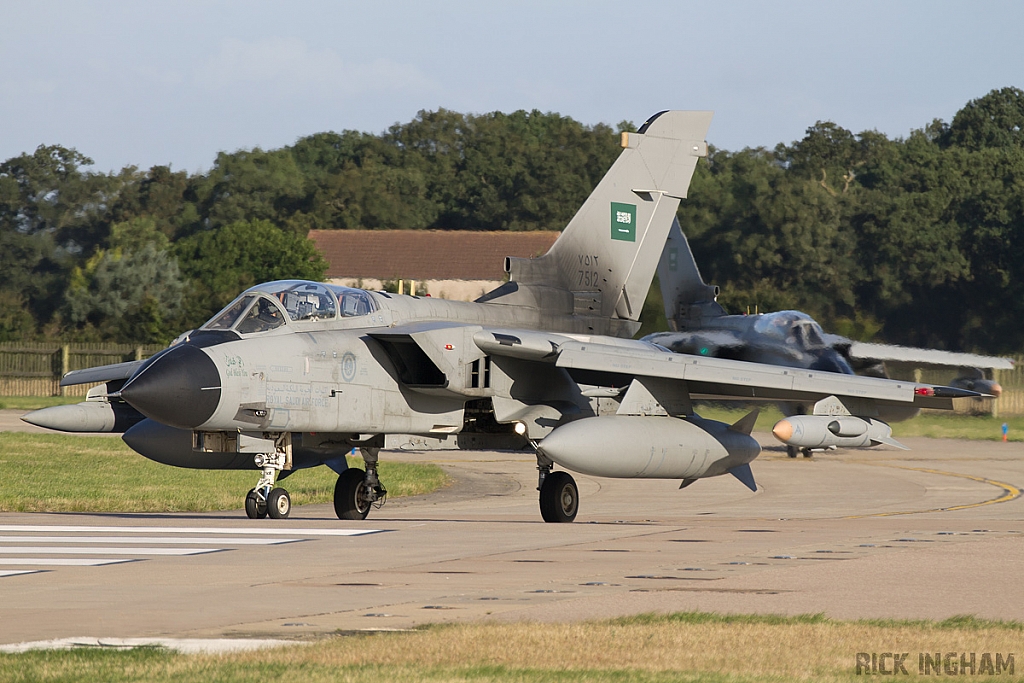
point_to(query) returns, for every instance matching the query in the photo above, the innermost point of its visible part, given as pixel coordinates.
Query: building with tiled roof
(452, 264)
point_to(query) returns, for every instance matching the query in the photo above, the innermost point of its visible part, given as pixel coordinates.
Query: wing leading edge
(717, 378)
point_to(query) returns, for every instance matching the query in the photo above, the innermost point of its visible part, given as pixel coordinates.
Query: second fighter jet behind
(700, 326)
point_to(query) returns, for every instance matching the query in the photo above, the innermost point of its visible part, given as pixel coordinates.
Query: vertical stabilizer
(687, 298)
(607, 254)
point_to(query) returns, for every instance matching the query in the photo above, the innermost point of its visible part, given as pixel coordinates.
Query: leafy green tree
(995, 120)
(251, 185)
(223, 262)
(48, 212)
(771, 238)
(526, 171)
(131, 292)
(356, 180)
(16, 322)
(166, 197)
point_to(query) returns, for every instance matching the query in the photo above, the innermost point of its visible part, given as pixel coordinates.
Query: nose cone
(180, 387)
(783, 430)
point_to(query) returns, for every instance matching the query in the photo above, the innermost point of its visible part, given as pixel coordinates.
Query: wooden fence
(35, 369)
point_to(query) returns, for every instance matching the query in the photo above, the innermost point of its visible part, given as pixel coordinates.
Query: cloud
(288, 65)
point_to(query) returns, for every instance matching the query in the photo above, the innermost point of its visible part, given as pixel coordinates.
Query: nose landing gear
(266, 499)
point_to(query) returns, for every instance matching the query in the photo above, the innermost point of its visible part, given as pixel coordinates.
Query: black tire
(254, 508)
(792, 451)
(349, 499)
(808, 453)
(559, 498)
(279, 504)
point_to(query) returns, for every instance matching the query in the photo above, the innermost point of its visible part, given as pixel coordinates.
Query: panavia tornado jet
(295, 374)
(700, 326)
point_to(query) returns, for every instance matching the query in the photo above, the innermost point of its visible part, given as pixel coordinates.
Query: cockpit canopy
(270, 305)
(791, 327)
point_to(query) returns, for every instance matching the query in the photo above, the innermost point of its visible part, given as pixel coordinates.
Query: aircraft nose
(180, 388)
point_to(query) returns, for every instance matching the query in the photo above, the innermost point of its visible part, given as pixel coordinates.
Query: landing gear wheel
(559, 498)
(279, 504)
(792, 451)
(808, 453)
(350, 499)
(254, 507)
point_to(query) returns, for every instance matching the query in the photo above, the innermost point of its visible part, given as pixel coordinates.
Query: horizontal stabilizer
(745, 475)
(888, 441)
(745, 425)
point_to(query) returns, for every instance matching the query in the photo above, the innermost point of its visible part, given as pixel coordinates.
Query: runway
(930, 533)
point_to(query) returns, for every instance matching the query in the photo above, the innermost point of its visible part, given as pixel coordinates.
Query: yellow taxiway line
(1010, 492)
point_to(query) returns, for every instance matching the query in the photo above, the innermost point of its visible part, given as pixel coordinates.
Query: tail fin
(687, 298)
(607, 254)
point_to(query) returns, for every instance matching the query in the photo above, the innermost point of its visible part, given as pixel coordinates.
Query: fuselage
(305, 357)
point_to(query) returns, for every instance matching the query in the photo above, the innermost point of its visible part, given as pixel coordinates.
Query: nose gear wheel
(559, 497)
(255, 505)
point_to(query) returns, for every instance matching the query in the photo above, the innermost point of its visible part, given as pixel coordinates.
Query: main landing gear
(793, 451)
(357, 490)
(559, 495)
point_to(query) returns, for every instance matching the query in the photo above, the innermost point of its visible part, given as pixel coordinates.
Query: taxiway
(930, 533)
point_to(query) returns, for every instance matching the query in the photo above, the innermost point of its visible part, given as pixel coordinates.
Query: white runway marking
(146, 539)
(246, 531)
(29, 549)
(61, 561)
(136, 543)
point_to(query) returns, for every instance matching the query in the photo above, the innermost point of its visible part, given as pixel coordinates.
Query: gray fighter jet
(295, 374)
(700, 326)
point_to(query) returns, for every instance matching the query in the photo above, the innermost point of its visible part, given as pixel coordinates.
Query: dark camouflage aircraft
(701, 327)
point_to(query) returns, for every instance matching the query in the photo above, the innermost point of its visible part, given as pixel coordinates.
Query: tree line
(913, 240)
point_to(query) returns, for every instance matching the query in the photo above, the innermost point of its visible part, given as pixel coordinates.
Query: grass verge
(980, 427)
(58, 473)
(767, 417)
(36, 402)
(676, 647)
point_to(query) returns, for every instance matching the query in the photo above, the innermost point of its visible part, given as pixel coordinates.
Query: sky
(176, 82)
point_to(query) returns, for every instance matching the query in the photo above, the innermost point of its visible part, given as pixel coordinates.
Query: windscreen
(263, 316)
(230, 315)
(302, 300)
